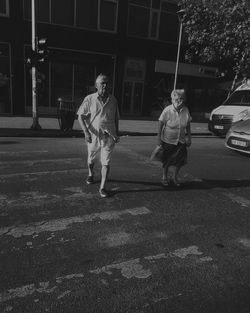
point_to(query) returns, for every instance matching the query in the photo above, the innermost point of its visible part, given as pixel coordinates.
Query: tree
(218, 33)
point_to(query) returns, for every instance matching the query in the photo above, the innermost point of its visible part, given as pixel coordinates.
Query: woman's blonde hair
(178, 93)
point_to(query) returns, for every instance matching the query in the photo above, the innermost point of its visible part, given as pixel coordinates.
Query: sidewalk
(20, 127)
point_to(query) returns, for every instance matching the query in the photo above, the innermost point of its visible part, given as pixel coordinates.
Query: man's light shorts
(105, 146)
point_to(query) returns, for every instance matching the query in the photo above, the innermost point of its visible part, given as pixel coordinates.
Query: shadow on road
(186, 185)
(8, 142)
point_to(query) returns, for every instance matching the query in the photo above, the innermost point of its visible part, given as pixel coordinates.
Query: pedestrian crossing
(62, 244)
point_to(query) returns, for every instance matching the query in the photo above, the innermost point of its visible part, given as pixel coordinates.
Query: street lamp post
(179, 13)
(35, 125)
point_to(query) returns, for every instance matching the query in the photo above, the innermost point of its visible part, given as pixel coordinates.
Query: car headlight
(241, 116)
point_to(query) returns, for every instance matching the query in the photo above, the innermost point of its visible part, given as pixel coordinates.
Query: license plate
(218, 127)
(239, 143)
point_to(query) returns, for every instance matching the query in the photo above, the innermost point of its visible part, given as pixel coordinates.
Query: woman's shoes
(164, 182)
(176, 183)
(172, 182)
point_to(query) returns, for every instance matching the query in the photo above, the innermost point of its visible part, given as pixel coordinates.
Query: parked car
(238, 136)
(234, 108)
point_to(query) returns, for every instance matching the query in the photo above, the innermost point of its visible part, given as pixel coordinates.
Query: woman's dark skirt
(174, 154)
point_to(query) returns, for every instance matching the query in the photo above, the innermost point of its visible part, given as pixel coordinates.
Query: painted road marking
(40, 288)
(36, 198)
(23, 152)
(244, 242)
(129, 269)
(134, 269)
(64, 223)
(40, 173)
(238, 199)
(32, 162)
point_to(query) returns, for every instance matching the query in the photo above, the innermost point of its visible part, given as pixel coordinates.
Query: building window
(97, 14)
(108, 13)
(153, 19)
(62, 12)
(168, 29)
(88, 14)
(138, 21)
(4, 7)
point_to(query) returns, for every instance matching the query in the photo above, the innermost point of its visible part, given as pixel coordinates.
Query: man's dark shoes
(90, 180)
(103, 193)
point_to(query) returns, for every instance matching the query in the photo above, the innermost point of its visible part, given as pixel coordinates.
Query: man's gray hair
(101, 76)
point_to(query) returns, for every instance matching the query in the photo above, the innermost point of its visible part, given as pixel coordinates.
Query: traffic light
(42, 50)
(31, 58)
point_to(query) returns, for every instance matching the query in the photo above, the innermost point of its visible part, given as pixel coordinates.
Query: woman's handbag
(157, 154)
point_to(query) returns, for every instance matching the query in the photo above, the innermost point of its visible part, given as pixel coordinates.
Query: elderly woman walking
(174, 136)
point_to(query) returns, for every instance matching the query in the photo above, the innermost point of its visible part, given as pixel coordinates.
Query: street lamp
(180, 14)
(35, 125)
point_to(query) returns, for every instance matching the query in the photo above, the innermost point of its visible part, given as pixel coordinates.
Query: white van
(233, 109)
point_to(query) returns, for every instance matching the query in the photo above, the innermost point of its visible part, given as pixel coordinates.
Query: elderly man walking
(99, 117)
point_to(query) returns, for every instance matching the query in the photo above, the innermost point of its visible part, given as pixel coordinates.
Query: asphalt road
(144, 249)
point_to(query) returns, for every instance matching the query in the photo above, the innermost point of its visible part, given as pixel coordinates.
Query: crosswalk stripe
(129, 269)
(42, 161)
(23, 152)
(3, 176)
(64, 223)
(133, 267)
(238, 199)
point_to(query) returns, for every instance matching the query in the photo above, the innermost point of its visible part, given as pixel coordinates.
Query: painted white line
(23, 152)
(64, 223)
(32, 162)
(129, 269)
(24, 291)
(134, 269)
(41, 173)
(238, 199)
(184, 252)
(41, 288)
(244, 242)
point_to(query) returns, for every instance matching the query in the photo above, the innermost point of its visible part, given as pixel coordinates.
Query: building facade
(133, 41)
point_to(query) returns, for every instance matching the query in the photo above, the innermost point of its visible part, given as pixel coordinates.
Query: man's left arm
(188, 130)
(188, 135)
(117, 117)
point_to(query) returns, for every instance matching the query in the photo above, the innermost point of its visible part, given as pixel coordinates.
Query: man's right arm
(82, 120)
(82, 117)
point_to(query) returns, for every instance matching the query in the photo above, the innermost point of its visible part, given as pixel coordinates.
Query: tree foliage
(218, 32)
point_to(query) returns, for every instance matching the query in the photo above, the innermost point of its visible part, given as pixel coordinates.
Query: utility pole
(179, 14)
(35, 125)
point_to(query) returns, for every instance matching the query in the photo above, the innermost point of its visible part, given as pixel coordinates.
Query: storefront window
(61, 81)
(4, 7)
(133, 86)
(5, 98)
(84, 77)
(68, 75)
